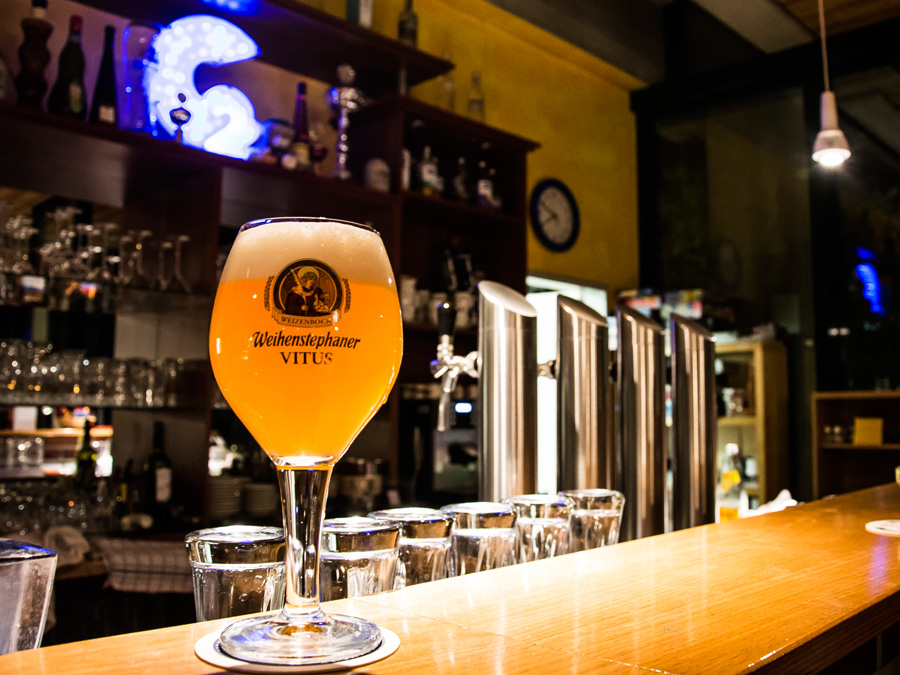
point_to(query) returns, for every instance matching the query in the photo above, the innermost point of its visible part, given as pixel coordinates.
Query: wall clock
(554, 215)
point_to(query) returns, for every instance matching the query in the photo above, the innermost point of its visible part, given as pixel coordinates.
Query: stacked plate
(225, 496)
(260, 499)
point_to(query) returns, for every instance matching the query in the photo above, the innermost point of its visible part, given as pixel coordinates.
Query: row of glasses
(400, 547)
(96, 252)
(34, 373)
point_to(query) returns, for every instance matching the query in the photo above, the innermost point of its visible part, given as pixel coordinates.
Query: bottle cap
(75, 23)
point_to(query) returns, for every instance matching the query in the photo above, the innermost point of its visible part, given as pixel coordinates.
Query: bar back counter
(805, 590)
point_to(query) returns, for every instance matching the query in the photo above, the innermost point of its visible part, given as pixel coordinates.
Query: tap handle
(446, 318)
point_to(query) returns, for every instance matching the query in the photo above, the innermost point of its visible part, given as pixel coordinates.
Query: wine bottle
(67, 95)
(86, 461)
(158, 478)
(476, 98)
(31, 84)
(300, 147)
(360, 12)
(484, 193)
(408, 25)
(104, 107)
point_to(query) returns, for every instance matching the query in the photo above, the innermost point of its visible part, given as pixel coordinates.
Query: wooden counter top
(789, 592)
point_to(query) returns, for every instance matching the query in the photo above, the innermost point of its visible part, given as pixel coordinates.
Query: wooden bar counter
(789, 592)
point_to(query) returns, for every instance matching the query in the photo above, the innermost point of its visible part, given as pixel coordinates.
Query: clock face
(554, 215)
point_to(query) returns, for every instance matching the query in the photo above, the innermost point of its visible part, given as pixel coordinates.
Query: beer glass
(305, 343)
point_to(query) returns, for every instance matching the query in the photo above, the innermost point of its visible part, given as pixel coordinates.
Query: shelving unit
(172, 189)
(840, 467)
(760, 369)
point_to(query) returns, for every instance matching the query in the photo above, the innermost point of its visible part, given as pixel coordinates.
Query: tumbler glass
(358, 557)
(484, 536)
(542, 525)
(424, 553)
(236, 570)
(594, 518)
(26, 579)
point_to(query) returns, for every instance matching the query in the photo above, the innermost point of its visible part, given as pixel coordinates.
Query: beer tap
(448, 365)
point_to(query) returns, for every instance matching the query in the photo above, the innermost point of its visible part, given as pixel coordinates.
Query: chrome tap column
(507, 351)
(694, 424)
(640, 423)
(584, 458)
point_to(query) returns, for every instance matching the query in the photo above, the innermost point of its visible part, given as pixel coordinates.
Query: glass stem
(303, 494)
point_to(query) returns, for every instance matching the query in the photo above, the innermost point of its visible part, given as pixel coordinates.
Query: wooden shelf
(843, 467)
(305, 40)
(853, 446)
(446, 123)
(738, 421)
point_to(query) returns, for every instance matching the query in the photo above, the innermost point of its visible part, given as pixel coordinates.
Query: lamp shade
(831, 147)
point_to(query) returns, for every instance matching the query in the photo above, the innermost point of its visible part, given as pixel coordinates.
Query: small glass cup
(358, 557)
(542, 526)
(236, 570)
(484, 536)
(595, 516)
(26, 579)
(424, 553)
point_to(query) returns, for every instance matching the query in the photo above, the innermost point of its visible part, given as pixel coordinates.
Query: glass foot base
(321, 639)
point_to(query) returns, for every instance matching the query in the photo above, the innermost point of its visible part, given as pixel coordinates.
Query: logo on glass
(306, 293)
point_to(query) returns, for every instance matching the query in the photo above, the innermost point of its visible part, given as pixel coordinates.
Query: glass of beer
(305, 343)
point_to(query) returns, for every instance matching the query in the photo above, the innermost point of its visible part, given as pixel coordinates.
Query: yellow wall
(545, 89)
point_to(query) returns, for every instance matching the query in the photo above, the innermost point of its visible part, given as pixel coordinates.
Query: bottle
(730, 494)
(458, 186)
(300, 147)
(408, 25)
(484, 192)
(31, 84)
(360, 12)
(104, 107)
(447, 92)
(67, 95)
(86, 460)
(158, 478)
(476, 98)
(428, 173)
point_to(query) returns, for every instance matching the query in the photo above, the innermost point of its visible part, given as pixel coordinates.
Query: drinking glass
(237, 569)
(484, 536)
(305, 343)
(424, 543)
(595, 516)
(542, 525)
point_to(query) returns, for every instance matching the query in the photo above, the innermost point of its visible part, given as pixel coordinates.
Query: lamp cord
(824, 49)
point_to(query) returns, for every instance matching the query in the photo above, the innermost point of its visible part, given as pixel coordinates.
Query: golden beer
(306, 336)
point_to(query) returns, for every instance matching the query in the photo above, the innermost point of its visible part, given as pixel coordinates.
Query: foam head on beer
(306, 337)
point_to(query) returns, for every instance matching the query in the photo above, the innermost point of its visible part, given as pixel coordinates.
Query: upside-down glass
(305, 343)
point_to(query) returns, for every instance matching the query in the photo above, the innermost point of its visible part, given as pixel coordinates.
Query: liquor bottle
(360, 12)
(67, 95)
(730, 495)
(104, 107)
(429, 179)
(476, 98)
(31, 84)
(458, 186)
(86, 461)
(300, 147)
(158, 478)
(447, 92)
(408, 25)
(484, 192)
